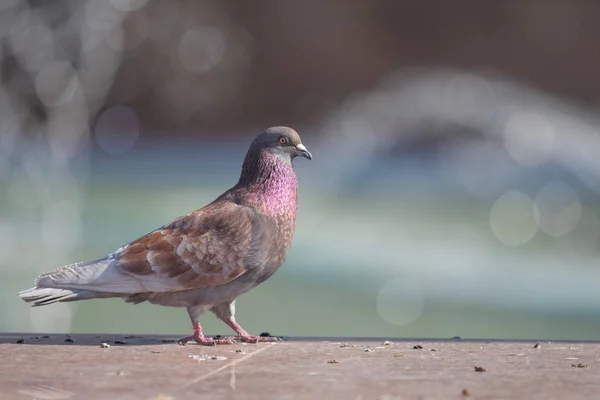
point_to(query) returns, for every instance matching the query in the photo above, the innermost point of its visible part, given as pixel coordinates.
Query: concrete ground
(145, 367)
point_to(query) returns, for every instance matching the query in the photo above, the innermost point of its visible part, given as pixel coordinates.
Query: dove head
(274, 149)
(282, 142)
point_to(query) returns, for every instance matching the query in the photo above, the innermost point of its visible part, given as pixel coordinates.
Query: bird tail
(71, 283)
(41, 296)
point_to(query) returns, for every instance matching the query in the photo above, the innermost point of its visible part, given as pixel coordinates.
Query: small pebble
(155, 352)
(368, 350)
(333, 362)
(536, 346)
(120, 342)
(68, 340)
(579, 365)
(239, 351)
(417, 347)
(398, 355)
(20, 341)
(479, 369)
(105, 345)
(386, 343)
(433, 350)
(466, 393)
(204, 357)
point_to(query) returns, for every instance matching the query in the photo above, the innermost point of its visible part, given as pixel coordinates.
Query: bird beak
(302, 151)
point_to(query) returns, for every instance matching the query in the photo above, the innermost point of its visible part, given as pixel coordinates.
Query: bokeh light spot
(117, 130)
(511, 219)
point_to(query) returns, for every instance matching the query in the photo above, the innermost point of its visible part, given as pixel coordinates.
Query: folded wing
(205, 248)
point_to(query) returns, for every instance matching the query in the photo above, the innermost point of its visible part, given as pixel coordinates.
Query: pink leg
(199, 338)
(244, 336)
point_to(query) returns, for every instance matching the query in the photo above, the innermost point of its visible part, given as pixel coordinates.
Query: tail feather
(41, 296)
(81, 273)
(86, 280)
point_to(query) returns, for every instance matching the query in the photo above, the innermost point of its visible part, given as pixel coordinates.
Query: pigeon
(206, 259)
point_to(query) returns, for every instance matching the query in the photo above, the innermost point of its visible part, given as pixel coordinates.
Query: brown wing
(204, 248)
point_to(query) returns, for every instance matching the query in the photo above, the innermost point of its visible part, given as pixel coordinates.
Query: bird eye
(282, 140)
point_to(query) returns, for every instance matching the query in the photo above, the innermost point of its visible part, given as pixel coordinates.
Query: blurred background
(455, 186)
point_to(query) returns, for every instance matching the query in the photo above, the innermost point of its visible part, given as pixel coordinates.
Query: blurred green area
(361, 264)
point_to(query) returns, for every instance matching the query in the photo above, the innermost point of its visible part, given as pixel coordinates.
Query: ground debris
(69, 340)
(466, 393)
(368, 350)
(333, 362)
(386, 343)
(580, 365)
(479, 369)
(105, 345)
(21, 341)
(205, 357)
(417, 347)
(537, 345)
(120, 342)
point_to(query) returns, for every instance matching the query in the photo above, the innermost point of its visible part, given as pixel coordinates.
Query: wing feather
(205, 248)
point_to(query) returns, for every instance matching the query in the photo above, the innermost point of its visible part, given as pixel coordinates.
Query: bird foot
(254, 339)
(205, 341)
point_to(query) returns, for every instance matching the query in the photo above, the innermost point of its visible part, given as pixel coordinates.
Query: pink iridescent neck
(271, 184)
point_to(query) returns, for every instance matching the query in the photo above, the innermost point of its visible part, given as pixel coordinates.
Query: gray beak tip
(302, 151)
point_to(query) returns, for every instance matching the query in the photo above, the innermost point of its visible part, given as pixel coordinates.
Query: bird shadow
(86, 339)
(92, 339)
